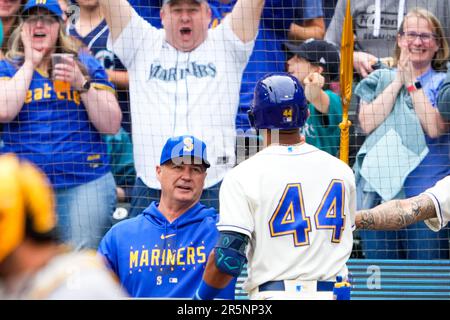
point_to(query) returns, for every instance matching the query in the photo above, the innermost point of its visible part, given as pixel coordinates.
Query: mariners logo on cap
(287, 115)
(188, 144)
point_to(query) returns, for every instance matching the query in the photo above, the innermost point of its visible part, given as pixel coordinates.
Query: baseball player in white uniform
(440, 195)
(293, 203)
(184, 79)
(432, 206)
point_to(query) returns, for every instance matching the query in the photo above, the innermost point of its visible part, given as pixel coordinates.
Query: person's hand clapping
(405, 69)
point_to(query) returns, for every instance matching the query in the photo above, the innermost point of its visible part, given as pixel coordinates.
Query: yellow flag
(346, 80)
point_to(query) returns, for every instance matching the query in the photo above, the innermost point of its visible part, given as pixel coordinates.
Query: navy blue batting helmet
(278, 103)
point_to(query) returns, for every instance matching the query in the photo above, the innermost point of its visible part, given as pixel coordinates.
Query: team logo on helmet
(287, 115)
(188, 144)
(279, 103)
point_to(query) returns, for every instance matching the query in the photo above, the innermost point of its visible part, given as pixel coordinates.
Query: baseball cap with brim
(318, 52)
(51, 5)
(186, 149)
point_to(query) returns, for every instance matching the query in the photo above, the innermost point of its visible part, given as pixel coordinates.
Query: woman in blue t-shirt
(407, 148)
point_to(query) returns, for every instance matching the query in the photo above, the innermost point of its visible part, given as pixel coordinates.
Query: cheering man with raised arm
(184, 79)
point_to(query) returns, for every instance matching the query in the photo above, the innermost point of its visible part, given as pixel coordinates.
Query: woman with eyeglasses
(408, 147)
(59, 128)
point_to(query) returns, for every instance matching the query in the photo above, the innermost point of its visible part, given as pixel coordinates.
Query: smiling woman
(399, 110)
(60, 130)
(41, 27)
(423, 38)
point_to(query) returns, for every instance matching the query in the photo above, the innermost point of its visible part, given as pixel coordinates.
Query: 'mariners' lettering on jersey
(167, 257)
(175, 74)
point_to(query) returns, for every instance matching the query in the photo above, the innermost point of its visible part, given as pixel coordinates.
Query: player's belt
(279, 286)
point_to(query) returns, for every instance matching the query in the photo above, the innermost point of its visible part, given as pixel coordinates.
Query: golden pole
(346, 81)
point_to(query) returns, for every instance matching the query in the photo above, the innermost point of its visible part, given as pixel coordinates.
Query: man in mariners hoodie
(162, 252)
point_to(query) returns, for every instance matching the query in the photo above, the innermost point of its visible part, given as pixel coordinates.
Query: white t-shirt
(280, 198)
(74, 275)
(174, 93)
(440, 194)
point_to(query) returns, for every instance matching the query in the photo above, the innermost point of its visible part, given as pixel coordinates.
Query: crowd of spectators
(158, 69)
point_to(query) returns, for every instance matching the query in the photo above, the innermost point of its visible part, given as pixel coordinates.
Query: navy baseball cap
(318, 52)
(185, 147)
(50, 5)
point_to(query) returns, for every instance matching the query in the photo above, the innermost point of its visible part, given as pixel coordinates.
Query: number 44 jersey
(297, 204)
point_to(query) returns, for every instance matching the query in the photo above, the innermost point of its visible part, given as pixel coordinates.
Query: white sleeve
(137, 36)
(334, 30)
(239, 49)
(235, 213)
(440, 195)
(352, 203)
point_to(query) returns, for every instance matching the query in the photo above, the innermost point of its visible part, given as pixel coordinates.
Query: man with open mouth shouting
(184, 79)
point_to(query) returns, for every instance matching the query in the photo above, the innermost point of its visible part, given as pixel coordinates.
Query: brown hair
(17, 20)
(64, 44)
(439, 61)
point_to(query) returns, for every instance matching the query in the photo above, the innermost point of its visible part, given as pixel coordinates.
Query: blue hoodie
(155, 258)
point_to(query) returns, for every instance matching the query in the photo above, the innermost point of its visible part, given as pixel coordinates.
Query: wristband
(85, 87)
(206, 292)
(1, 33)
(413, 87)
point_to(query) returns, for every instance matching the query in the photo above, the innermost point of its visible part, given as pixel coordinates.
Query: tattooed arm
(396, 214)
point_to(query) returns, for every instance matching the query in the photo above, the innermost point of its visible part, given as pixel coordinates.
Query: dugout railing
(391, 280)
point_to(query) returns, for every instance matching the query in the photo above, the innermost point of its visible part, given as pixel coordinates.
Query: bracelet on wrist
(85, 86)
(414, 86)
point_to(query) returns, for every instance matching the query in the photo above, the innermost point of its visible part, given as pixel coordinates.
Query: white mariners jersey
(297, 204)
(440, 194)
(174, 93)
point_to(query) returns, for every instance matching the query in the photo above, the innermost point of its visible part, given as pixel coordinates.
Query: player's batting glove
(341, 290)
